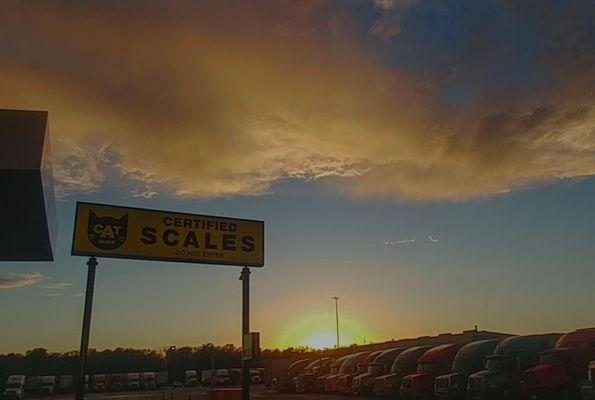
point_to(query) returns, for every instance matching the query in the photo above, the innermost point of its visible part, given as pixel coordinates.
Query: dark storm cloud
(407, 99)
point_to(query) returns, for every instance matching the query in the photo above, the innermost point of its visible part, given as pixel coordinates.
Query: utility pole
(337, 317)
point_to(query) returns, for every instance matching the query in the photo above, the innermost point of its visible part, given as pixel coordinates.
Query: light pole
(337, 317)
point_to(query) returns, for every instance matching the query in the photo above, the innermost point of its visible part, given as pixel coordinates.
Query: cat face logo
(107, 233)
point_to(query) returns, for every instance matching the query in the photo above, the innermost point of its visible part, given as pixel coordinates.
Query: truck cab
(331, 384)
(363, 384)
(561, 370)
(588, 388)
(435, 362)
(48, 385)
(149, 380)
(15, 387)
(405, 363)
(325, 381)
(306, 381)
(133, 381)
(468, 360)
(190, 378)
(222, 377)
(98, 382)
(116, 382)
(285, 383)
(500, 379)
(359, 364)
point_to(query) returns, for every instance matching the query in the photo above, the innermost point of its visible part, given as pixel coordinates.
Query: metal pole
(245, 277)
(337, 317)
(80, 387)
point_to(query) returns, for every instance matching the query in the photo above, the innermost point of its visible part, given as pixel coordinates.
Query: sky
(429, 162)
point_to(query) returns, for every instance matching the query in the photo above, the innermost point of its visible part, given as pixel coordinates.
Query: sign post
(102, 230)
(245, 277)
(80, 382)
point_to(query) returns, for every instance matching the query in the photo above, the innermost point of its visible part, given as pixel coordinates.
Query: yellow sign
(122, 232)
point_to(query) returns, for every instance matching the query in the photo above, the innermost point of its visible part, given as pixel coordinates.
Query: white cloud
(53, 294)
(14, 280)
(433, 239)
(407, 240)
(59, 285)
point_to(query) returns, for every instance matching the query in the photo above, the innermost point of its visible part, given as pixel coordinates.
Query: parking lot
(257, 392)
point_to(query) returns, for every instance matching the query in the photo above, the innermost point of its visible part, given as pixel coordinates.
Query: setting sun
(318, 332)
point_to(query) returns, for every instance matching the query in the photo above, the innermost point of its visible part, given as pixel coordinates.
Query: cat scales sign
(122, 232)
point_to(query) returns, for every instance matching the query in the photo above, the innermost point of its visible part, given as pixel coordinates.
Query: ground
(257, 392)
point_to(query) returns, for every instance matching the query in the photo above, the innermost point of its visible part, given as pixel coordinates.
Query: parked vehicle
(363, 384)
(255, 377)
(503, 370)
(65, 383)
(115, 382)
(561, 370)
(404, 364)
(222, 377)
(285, 383)
(162, 378)
(149, 380)
(15, 387)
(333, 370)
(331, 383)
(48, 385)
(468, 360)
(306, 381)
(191, 378)
(359, 364)
(588, 388)
(98, 382)
(235, 374)
(436, 361)
(133, 381)
(33, 385)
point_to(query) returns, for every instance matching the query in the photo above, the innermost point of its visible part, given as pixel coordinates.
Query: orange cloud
(229, 98)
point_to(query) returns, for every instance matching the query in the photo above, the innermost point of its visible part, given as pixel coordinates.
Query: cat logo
(107, 233)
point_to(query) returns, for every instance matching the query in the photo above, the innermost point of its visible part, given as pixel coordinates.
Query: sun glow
(318, 332)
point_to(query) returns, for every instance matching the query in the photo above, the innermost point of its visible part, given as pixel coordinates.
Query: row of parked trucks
(19, 385)
(221, 377)
(549, 366)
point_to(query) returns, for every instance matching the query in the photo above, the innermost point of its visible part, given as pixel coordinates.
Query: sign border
(168, 259)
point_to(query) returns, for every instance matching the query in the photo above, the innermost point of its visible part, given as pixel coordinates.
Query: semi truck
(331, 382)
(15, 387)
(65, 383)
(191, 378)
(435, 362)
(284, 382)
(333, 370)
(306, 381)
(133, 380)
(588, 388)
(405, 364)
(501, 377)
(359, 365)
(149, 380)
(98, 382)
(561, 370)
(363, 384)
(468, 360)
(48, 385)
(115, 382)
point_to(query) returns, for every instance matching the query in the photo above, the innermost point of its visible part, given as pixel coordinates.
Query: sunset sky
(430, 162)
